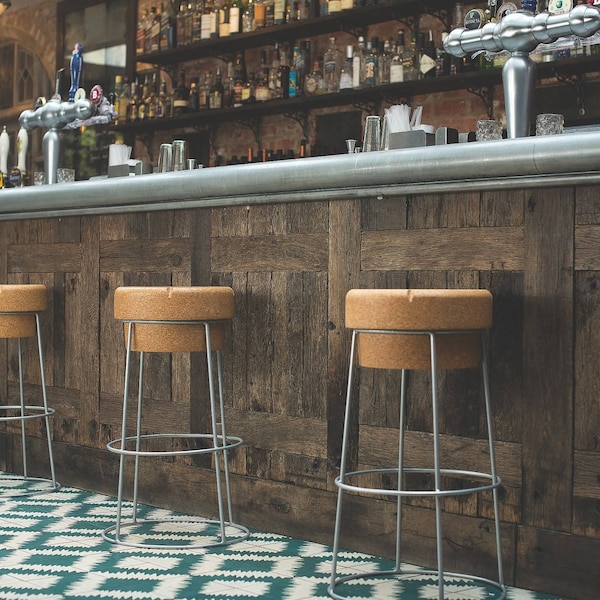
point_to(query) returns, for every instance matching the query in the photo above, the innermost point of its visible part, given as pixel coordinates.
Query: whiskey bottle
(239, 79)
(314, 83)
(180, 25)
(215, 99)
(260, 11)
(194, 97)
(372, 64)
(224, 19)
(181, 96)
(236, 13)
(427, 56)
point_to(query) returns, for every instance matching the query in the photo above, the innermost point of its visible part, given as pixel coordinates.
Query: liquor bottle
(427, 56)
(347, 4)
(248, 17)
(4, 150)
(274, 88)
(197, 10)
(293, 92)
(263, 94)
(239, 78)
(214, 19)
(279, 12)
(385, 62)
(357, 63)
(236, 13)
(204, 91)
(166, 29)
(181, 96)
(118, 93)
(155, 29)
(132, 109)
(205, 20)
(163, 105)
(188, 35)
(334, 6)
(397, 64)
(346, 75)
(142, 96)
(180, 25)
(314, 84)
(194, 97)
(215, 99)
(151, 98)
(224, 19)
(148, 30)
(260, 10)
(140, 35)
(228, 85)
(283, 75)
(331, 67)
(410, 59)
(442, 58)
(269, 13)
(371, 68)
(249, 91)
(124, 98)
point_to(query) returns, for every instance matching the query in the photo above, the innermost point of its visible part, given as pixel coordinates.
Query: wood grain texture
(286, 364)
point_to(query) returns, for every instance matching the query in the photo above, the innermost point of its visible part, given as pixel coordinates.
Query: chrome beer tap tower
(519, 33)
(55, 114)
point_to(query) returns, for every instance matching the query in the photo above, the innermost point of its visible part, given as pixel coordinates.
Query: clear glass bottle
(385, 62)
(331, 67)
(357, 63)
(397, 64)
(346, 74)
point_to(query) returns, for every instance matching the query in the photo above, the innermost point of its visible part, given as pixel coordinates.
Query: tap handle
(529, 5)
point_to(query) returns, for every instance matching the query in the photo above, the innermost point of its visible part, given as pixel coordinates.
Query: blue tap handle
(76, 67)
(529, 5)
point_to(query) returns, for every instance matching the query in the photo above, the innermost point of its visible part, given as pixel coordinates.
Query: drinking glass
(179, 155)
(488, 130)
(372, 136)
(549, 124)
(165, 158)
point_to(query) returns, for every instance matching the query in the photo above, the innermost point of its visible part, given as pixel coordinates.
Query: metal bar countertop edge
(550, 161)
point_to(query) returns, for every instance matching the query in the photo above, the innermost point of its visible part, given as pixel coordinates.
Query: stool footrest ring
(228, 443)
(157, 529)
(18, 486)
(457, 473)
(414, 573)
(38, 412)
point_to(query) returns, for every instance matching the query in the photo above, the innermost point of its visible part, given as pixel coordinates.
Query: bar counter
(518, 217)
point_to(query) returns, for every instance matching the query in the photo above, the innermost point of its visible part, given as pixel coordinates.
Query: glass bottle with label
(371, 65)
(357, 63)
(215, 99)
(224, 18)
(346, 70)
(427, 56)
(397, 64)
(260, 12)
(331, 67)
(236, 13)
(181, 96)
(314, 83)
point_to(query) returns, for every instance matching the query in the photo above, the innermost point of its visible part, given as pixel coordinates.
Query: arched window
(22, 77)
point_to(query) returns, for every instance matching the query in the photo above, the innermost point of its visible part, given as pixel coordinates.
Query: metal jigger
(519, 33)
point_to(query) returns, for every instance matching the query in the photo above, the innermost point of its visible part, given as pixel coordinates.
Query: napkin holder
(411, 139)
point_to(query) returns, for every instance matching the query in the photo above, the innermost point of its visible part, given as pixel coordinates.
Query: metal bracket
(371, 107)
(577, 81)
(254, 126)
(487, 95)
(301, 117)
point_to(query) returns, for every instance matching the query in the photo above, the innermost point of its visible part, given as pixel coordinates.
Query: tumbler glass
(372, 136)
(549, 124)
(165, 158)
(179, 155)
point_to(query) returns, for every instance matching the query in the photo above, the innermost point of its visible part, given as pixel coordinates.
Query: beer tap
(519, 33)
(54, 115)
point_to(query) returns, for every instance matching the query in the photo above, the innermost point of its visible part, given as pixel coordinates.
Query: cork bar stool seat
(20, 309)
(175, 319)
(431, 330)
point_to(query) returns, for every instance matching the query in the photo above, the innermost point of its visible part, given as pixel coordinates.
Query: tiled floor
(51, 548)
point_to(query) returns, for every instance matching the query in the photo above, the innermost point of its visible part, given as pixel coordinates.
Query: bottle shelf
(347, 20)
(360, 97)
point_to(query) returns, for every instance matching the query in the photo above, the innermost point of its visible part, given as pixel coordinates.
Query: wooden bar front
(291, 265)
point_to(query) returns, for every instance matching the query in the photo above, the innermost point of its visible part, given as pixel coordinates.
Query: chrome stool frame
(40, 485)
(228, 531)
(489, 481)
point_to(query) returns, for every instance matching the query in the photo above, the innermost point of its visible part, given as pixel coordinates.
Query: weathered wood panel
(286, 361)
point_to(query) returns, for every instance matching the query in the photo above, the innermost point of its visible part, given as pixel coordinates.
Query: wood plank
(343, 268)
(547, 360)
(587, 345)
(547, 561)
(462, 249)
(44, 258)
(145, 255)
(587, 240)
(292, 252)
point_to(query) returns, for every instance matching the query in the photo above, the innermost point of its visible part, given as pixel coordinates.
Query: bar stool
(175, 319)
(417, 330)
(20, 309)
